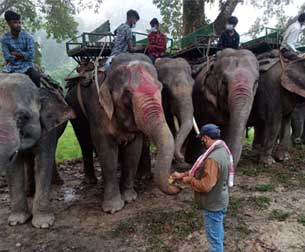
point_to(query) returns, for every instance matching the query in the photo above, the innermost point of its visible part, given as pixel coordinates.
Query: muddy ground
(266, 214)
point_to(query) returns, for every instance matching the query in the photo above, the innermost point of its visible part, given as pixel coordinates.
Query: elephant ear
(106, 100)
(54, 110)
(293, 78)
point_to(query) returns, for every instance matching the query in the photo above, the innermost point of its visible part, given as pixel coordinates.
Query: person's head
(13, 20)
(301, 19)
(232, 22)
(209, 133)
(132, 18)
(154, 23)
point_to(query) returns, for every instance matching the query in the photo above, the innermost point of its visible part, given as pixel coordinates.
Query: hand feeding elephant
(129, 105)
(276, 98)
(298, 124)
(224, 95)
(28, 120)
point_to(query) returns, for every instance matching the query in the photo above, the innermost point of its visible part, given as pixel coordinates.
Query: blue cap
(210, 130)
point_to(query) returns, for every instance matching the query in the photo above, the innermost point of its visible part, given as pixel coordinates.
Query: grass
(260, 202)
(301, 219)
(279, 215)
(125, 227)
(68, 147)
(265, 188)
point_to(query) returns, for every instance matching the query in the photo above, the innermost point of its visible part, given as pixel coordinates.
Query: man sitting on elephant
(18, 49)
(229, 38)
(291, 38)
(123, 40)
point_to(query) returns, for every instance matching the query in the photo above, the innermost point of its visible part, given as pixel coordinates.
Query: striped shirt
(25, 45)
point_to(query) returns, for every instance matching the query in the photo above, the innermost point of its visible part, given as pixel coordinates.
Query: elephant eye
(22, 117)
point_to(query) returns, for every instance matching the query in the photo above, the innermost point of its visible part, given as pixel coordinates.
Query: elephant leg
(82, 132)
(30, 175)
(144, 168)
(107, 150)
(297, 125)
(130, 160)
(56, 179)
(271, 132)
(258, 139)
(281, 153)
(43, 216)
(19, 207)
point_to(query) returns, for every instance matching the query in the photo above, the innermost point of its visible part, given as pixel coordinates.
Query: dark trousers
(290, 55)
(34, 75)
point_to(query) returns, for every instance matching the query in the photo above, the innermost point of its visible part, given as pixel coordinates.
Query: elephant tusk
(195, 125)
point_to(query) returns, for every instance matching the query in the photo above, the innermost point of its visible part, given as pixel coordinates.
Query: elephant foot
(90, 180)
(281, 156)
(297, 141)
(113, 205)
(129, 195)
(267, 161)
(19, 218)
(43, 220)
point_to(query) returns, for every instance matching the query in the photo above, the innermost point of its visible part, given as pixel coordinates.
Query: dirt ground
(266, 213)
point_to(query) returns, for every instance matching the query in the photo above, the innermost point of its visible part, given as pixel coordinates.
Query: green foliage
(171, 11)
(279, 215)
(260, 202)
(68, 147)
(265, 188)
(54, 16)
(301, 219)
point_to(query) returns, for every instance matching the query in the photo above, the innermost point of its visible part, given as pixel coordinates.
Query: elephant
(29, 117)
(176, 77)
(298, 124)
(115, 115)
(223, 94)
(175, 74)
(281, 88)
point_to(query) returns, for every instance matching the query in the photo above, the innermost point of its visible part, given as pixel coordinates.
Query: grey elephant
(176, 77)
(28, 120)
(298, 124)
(128, 106)
(223, 94)
(282, 87)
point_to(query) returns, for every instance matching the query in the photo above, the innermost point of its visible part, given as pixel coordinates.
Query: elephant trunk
(150, 119)
(9, 142)
(185, 113)
(240, 100)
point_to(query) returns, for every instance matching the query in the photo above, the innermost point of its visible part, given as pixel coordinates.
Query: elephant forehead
(6, 100)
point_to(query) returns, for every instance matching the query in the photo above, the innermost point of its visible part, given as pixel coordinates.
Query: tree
(192, 12)
(54, 16)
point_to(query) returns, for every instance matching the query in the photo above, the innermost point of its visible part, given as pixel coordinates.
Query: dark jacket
(227, 41)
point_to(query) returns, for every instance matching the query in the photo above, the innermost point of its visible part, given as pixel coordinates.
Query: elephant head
(26, 113)
(229, 88)
(176, 76)
(131, 99)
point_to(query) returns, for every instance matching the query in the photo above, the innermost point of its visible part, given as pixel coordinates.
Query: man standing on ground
(156, 41)
(210, 178)
(123, 39)
(18, 49)
(229, 38)
(291, 39)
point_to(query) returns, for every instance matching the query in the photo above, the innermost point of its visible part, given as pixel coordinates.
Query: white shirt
(291, 36)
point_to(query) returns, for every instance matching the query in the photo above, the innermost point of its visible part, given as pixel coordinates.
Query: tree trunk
(227, 9)
(193, 15)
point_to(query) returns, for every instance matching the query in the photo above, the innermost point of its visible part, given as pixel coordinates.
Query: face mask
(154, 29)
(229, 27)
